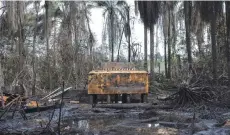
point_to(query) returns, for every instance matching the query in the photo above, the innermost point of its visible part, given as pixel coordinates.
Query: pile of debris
(12, 103)
(192, 94)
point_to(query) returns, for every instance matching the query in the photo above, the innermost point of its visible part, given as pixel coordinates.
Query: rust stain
(118, 82)
(32, 104)
(4, 98)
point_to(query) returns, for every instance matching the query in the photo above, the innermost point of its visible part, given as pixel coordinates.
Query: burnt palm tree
(169, 39)
(47, 42)
(128, 31)
(167, 29)
(141, 7)
(149, 13)
(113, 11)
(209, 11)
(36, 6)
(48, 15)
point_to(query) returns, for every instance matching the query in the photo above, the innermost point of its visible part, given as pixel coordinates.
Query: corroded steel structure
(118, 82)
(118, 78)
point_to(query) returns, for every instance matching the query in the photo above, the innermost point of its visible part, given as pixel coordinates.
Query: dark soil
(82, 119)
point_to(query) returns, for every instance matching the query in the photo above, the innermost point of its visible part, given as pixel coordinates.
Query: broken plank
(12, 101)
(153, 119)
(53, 100)
(60, 92)
(74, 102)
(51, 93)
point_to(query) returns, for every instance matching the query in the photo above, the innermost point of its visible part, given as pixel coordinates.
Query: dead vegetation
(193, 87)
(192, 95)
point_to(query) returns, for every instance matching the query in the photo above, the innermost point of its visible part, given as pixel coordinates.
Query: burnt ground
(82, 119)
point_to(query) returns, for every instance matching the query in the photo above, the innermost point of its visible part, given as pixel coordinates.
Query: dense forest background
(45, 43)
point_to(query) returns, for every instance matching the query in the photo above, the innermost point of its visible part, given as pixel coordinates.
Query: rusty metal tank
(118, 78)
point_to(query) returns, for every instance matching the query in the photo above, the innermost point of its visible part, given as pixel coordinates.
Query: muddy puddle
(92, 126)
(112, 126)
(127, 122)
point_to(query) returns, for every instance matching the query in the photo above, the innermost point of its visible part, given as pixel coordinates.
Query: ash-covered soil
(82, 119)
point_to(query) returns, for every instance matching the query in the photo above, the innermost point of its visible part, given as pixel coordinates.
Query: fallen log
(98, 110)
(133, 106)
(41, 108)
(74, 102)
(174, 124)
(176, 116)
(153, 119)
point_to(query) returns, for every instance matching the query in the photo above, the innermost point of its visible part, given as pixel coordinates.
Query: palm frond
(121, 3)
(120, 12)
(105, 12)
(208, 8)
(27, 3)
(102, 3)
(58, 12)
(149, 11)
(142, 8)
(90, 6)
(136, 7)
(104, 34)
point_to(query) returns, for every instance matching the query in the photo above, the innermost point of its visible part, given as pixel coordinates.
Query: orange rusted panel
(118, 82)
(4, 98)
(32, 104)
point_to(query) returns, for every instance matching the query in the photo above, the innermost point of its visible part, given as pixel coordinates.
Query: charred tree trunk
(157, 49)
(34, 49)
(169, 46)
(119, 46)
(200, 40)
(1, 80)
(21, 50)
(187, 12)
(20, 44)
(165, 21)
(145, 48)
(129, 35)
(54, 43)
(112, 34)
(47, 43)
(165, 55)
(152, 52)
(227, 4)
(91, 38)
(213, 40)
(76, 44)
